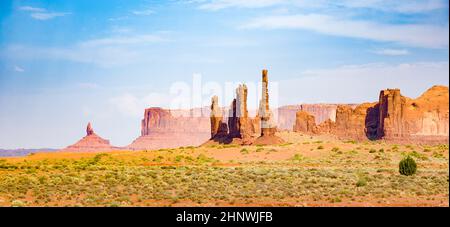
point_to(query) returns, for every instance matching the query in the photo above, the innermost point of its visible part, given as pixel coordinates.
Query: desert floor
(305, 171)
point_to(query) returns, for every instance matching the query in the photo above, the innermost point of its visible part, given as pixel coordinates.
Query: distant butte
(91, 142)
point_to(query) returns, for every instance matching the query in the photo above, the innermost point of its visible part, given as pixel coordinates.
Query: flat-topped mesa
(164, 128)
(218, 127)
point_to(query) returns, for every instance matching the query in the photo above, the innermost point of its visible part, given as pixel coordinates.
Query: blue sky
(64, 63)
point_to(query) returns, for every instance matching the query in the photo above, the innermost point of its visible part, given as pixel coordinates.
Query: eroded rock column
(268, 126)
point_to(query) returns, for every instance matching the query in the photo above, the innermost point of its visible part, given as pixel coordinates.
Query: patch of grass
(244, 151)
(285, 144)
(297, 157)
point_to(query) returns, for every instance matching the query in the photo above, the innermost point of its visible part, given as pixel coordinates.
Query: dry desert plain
(304, 171)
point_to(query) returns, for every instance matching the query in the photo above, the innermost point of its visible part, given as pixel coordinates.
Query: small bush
(361, 182)
(320, 147)
(372, 151)
(407, 166)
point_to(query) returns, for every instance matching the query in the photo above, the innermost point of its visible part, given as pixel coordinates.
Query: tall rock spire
(89, 129)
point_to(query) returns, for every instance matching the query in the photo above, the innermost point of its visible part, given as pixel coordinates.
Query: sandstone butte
(91, 142)
(394, 118)
(162, 128)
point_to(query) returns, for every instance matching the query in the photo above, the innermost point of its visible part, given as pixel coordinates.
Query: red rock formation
(162, 128)
(268, 126)
(89, 129)
(305, 123)
(395, 118)
(321, 112)
(218, 127)
(351, 123)
(242, 126)
(391, 112)
(91, 142)
(424, 119)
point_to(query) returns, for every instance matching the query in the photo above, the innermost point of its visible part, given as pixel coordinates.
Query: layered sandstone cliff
(163, 128)
(394, 117)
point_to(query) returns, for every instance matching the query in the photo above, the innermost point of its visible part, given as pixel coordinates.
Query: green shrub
(361, 182)
(407, 166)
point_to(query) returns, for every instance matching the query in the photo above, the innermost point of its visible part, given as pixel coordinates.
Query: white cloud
(105, 52)
(88, 85)
(133, 106)
(391, 52)
(410, 6)
(124, 40)
(143, 12)
(18, 69)
(47, 16)
(41, 13)
(419, 35)
(31, 9)
(362, 83)
(222, 4)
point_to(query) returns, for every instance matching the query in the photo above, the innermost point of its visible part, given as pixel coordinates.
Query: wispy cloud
(124, 40)
(18, 69)
(410, 6)
(222, 4)
(143, 12)
(105, 52)
(421, 35)
(41, 13)
(31, 9)
(366, 81)
(88, 85)
(133, 106)
(47, 16)
(391, 52)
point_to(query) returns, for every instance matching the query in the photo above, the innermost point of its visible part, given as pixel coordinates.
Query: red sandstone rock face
(267, 118)
(321, 113)
(396, 118)
(162, 128)
(425, 118)
(351, 123)
(89, 129)
(305, 123)
(91, 142)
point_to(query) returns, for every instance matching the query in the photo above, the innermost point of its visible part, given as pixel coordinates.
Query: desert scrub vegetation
(173, 177)
(407, 166)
